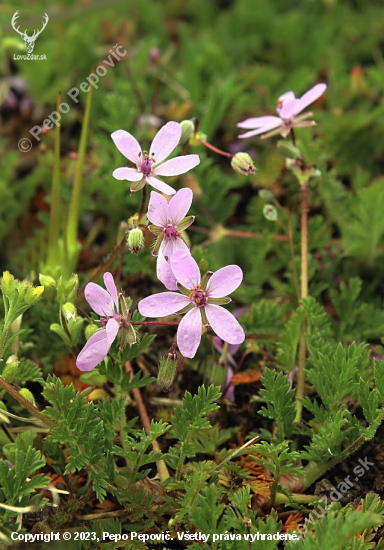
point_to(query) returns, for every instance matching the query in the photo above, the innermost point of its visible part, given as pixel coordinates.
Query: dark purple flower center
(171, 233)
(146, 165)
(198, 296)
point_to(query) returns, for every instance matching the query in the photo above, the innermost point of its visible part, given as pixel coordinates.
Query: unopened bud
(67, 290)
(33, 295)
(195, 138)
(69, 311)
(8, 283)
(168, 369)
(27, 395)
(187, 130)
(287, 149)
(265, 194)
(136, 240)
(47, 281)
(270, 212)
(90, 330)
(242, 163)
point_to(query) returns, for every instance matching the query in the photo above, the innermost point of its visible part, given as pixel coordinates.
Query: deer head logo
(29, 40)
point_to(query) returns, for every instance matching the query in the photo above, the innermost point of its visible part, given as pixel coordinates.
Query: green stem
(73, 218)
(304, 239)
(304, 294)
(53, 259)
(143, 203)
(292, 252)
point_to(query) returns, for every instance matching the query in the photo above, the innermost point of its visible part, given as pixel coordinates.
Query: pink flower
(169, 219)
(287, 107)
(149, 165)
(106, 304)
(200, 300)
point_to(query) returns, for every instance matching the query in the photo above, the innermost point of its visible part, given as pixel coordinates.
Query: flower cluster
(200, 299)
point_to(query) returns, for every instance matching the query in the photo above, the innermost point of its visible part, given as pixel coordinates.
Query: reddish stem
(215, 149)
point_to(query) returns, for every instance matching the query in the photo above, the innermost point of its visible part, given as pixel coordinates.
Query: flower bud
(90, 330)
(287, 149)
(242, 163)
(8, 283)
(33, 295)
(270, 212)
(66, 291)
(187, 130)
(69, 311)
(266, 194)
(136, 240)
(195, 138)
(168, 369)
(47, 281)
(24, 392)
(10, 369)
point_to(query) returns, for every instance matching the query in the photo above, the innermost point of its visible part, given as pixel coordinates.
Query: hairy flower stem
(161, 466)
(103, 268)
(27, 404)
(304, 294)
(292, 253)
(143, 204)
(215, 149)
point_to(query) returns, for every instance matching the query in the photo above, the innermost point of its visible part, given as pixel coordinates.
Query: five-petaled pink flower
(106, 304)
(169, 220)
(149, 165)
(200, 299)
(287, 107)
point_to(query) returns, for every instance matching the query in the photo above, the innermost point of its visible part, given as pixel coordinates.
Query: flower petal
(224, 324)
(189, 333)
(288, 96)
(164, 272)
(169, 248)
(311, 96)
(160, 305)
(157, 209)
(129, 174)
(179, 205)
(185, 269)
(256, 122)
(275, 123)
(290, 109)
(111, 287)
(160, 185)
(127, 145)
(99, 299)
(177, 165)
(94, 351)
(165, 141)
(112, 328)
(224, 281)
